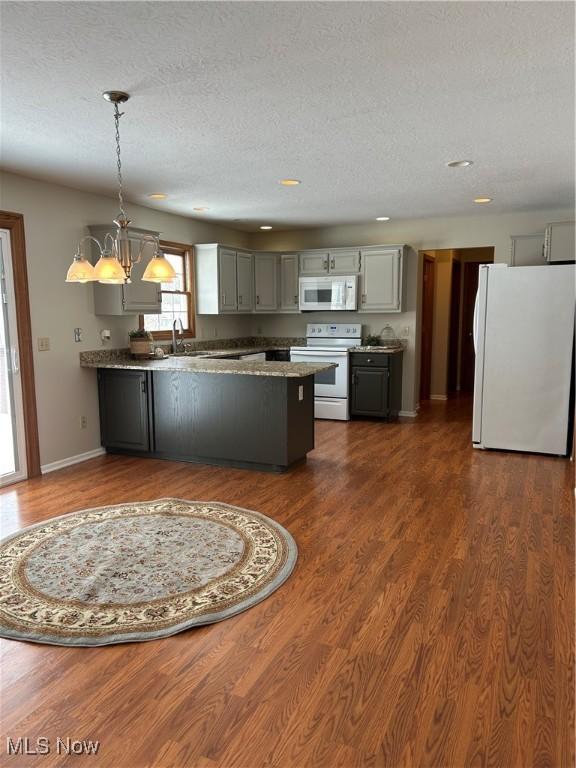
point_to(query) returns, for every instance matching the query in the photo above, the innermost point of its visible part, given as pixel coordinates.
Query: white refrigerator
(524, 337)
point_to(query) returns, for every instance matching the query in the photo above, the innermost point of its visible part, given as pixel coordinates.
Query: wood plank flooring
(429, 621)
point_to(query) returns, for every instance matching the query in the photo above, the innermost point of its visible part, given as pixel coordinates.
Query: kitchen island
(248, 414)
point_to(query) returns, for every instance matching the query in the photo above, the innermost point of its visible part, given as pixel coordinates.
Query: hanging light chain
(117, 116)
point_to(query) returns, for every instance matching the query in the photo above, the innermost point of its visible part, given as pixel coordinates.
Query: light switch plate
(43, 344)
(77, 334)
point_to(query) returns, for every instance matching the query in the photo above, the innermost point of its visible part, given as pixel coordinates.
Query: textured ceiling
(365, 102)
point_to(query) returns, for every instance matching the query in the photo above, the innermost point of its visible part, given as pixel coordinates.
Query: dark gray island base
(263, 422)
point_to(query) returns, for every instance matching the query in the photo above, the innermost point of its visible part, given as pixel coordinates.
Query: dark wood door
(467, 354)
(454, 332)
(370, 391)
(124, 421)
(427, 320)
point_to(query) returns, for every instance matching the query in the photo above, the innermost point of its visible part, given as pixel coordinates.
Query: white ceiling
(365, 102)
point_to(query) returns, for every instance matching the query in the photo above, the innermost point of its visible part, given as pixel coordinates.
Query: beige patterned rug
(139, 571)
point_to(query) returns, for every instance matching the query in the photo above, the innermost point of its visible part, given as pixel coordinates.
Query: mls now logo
(42, 746)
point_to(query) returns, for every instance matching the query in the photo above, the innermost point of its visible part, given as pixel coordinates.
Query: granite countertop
(195, 364)
(379, 350)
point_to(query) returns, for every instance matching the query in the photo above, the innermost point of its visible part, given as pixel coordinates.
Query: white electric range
(329, 343)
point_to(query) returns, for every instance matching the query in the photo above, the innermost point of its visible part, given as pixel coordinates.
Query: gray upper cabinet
(339, 261)
(289, 282)
(224, 280)
(527, 250)
(266, 282)
(559, 242)
(314, 262)
(381, 279)
(245, 281)
(228, 280)
(344, 261)
(134, 298)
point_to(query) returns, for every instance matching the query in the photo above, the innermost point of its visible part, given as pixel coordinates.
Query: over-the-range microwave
(328, 292)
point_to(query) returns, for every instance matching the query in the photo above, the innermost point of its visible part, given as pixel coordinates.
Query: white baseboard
(54, 465)
(438, 397)
(411, 414)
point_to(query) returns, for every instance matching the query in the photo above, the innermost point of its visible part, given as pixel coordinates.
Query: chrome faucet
(177, 344)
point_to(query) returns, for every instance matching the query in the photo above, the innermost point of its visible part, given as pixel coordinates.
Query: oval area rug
(138, 571)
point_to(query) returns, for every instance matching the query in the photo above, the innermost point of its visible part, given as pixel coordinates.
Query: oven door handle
(319, 354)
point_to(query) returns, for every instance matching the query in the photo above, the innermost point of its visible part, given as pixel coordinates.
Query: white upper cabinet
(134, 298)
(266, 282)
(559, 242)
(314, 262)
(245, 281)
(288, 282)
(527, 250)
(381, 280)
(344, 261)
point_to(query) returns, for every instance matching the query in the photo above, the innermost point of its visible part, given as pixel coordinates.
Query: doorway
(427, 327)
(19, 453)
(463, 354)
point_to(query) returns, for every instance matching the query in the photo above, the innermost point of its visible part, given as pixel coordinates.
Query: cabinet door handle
(223, 298)
(363, 298)
(257, 299)
(239, 299)
(333, 264)
(296, 299)
(369, 360)
(325, 264)
(143, 386)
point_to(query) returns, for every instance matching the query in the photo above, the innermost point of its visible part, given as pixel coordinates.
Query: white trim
(438, 397)
(411, 414)
(54, 465)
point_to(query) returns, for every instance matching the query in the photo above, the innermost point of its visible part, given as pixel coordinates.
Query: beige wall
(55, 218)
(483, 229)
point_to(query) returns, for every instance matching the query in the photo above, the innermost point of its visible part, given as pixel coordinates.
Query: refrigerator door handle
(475, 325)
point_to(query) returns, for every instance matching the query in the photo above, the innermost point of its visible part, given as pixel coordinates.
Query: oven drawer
(370, 359)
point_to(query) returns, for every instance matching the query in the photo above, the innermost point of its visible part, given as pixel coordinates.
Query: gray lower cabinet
(376, 387)
(124, 409)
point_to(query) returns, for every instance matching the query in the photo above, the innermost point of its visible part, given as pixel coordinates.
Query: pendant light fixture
(116, 259)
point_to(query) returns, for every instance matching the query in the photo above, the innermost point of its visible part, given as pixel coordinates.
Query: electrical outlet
(43, 344)
(215, 332)
(300, 392)
(83, 422)
(77, 334)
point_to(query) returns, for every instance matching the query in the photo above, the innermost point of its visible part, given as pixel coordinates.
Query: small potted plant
(141, 344)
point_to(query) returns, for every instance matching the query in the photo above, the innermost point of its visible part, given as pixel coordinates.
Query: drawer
(370, 359)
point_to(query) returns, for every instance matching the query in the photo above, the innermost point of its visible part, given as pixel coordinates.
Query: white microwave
(328, 293)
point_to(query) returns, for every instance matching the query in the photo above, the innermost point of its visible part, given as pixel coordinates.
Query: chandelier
(116, 258)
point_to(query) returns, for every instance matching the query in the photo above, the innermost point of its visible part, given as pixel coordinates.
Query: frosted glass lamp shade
(159, 269)
(80, 271)
(109, 270)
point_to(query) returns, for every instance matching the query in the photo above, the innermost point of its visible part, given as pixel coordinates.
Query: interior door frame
(425, 395)
(14, 223)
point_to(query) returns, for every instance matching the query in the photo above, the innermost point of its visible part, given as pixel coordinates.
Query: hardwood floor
(429, 621)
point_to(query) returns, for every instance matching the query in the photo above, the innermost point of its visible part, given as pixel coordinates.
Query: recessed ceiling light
(157, 196)
(482, 199)
(290, 182)
(460, 163)
(266, 226)
(382, 218)
(200, 209)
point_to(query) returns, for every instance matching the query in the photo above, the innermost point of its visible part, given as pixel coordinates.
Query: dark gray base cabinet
(124, 409)
(256, 422)
(376, 384)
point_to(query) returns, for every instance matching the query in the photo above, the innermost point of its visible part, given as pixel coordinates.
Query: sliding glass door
(12, 436)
